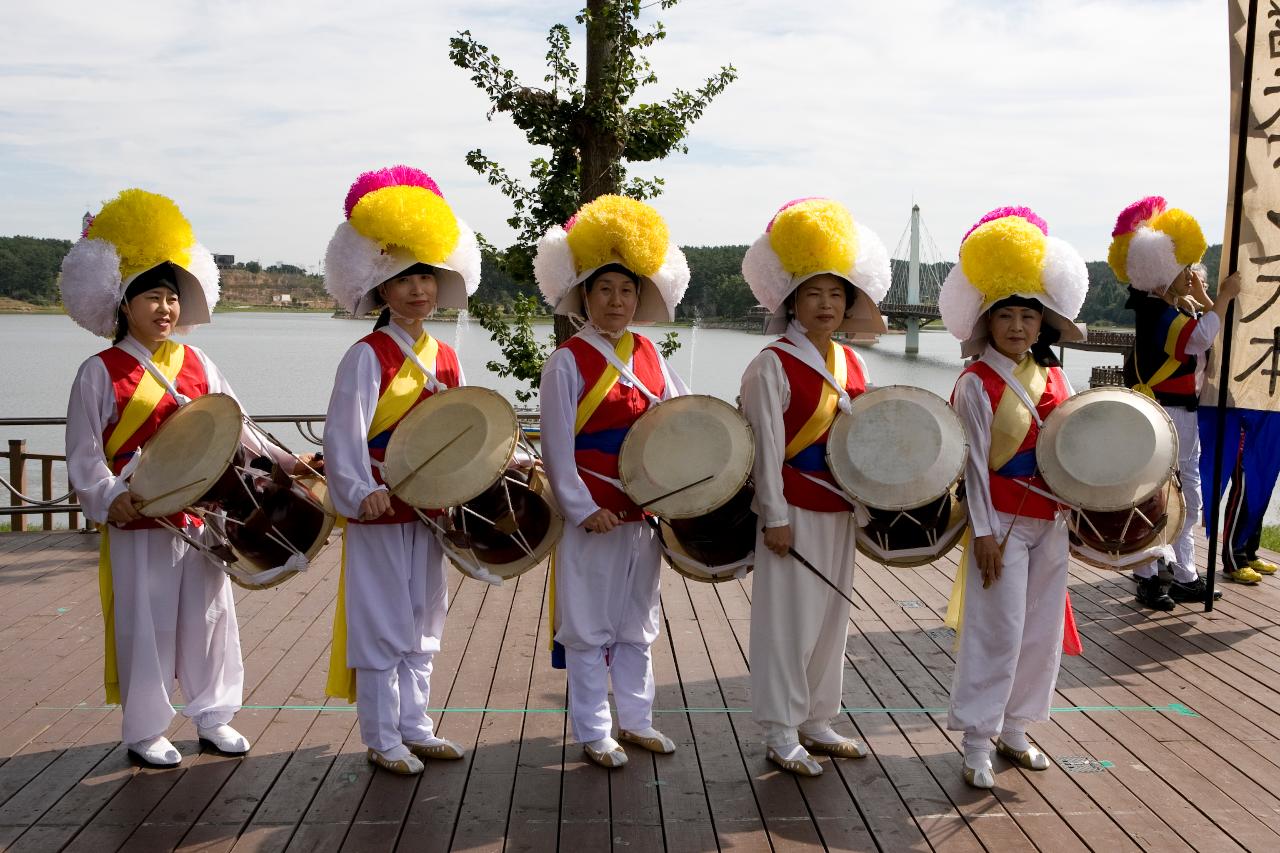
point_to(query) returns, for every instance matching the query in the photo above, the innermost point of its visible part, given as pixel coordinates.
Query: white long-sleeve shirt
(974, 408)
(765, 395)
(561, 386)
(92, 408)
(348, 468)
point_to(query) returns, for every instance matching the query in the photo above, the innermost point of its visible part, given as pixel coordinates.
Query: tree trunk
(599, 148)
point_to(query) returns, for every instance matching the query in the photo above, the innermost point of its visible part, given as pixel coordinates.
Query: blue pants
(1250, 462)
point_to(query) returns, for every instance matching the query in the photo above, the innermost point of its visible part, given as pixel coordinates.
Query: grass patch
(1271, 537)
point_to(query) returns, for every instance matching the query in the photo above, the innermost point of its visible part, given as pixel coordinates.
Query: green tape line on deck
(1172, 708)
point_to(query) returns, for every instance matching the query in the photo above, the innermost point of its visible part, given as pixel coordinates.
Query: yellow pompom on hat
(612, 229)
(1153, 243)
(397, 218)
(134, 233)
(1009, 253)
(815, 236)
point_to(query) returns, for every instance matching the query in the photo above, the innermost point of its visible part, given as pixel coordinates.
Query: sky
(256, 116)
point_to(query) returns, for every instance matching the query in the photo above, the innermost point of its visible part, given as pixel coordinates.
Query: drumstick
(685, 487)
(811, 567)
(150, 501)
(427, 461)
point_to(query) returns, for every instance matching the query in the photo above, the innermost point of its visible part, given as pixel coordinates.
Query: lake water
(283, 363)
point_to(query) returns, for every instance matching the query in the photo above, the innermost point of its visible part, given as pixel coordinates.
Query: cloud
(256, 116)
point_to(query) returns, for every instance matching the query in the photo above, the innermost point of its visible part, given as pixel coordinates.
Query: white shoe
(606, 752)
(650, 739)
(795, 759)
(155, 752)
(979, 773)
(399, 760)
(224, 739)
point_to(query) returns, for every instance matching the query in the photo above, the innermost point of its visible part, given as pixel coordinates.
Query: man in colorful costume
(611, 265)
(1156, 250)
(1015, 291)
(818, 272)
(400, 248)
(137, 275)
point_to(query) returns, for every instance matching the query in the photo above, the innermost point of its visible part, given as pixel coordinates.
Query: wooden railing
(18, 458)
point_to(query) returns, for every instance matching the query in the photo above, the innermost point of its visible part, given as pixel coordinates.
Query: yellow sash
(1009, 426)
(828, 399)
(595, 396)
(1170, 365)
(405, 387)
(142, 403)
(401, 395)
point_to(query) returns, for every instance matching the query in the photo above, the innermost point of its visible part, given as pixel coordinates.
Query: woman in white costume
(136, 276)
(1014, 292)
(613, 265)
(402, 248)
(818, 272)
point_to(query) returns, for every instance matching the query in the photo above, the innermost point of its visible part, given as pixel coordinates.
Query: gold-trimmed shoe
(658, 742)
(607, 758)
(980, 777)
(846, 748)
(410, 766)
(1262, 567)
(805, 766)
(441, 750)
(1030, 758)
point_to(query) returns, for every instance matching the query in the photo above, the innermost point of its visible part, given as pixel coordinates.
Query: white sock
(399, 752)
(1015, 739)
(605, 744)
(977, 759)
(825, 734)
(791, 752)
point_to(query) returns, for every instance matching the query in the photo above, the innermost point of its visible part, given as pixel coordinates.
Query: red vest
(806, 389)
(597, 444)
(1007, 493)
(390, 360)
(126, 372)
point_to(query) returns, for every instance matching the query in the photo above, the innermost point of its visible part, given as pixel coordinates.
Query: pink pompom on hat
(1153, 243)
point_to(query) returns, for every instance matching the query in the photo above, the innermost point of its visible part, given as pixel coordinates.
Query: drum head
(495, 555)
(1107, 449)
(450, 447)
(681, 441)
(187, 455)
(898, 447)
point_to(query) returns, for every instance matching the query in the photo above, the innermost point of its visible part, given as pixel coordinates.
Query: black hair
(850, 297)
(384, 316)
(1042, 349)
(618, 268)
(161, 275)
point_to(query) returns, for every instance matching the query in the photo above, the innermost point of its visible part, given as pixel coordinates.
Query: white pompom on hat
(1009, 253)
(612, 229)
(134, 233)
(1153, 243)
(815, 236)
(397, 218)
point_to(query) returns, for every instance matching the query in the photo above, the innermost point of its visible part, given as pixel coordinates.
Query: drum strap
(860, 515)
(599, 344)
(809, 357)
(401, 338)
(144, 358)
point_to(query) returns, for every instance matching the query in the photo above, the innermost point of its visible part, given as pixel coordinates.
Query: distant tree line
(29, 272)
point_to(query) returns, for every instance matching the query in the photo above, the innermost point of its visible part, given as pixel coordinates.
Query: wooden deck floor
(1166, 741)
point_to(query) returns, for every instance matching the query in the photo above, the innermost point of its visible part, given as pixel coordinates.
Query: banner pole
(1224, 372)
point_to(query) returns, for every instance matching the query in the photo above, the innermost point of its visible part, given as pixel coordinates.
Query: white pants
(174, 616)
(1011, 637)
(1187, 424)
(396, 599)
(607, 611)
(799, 626)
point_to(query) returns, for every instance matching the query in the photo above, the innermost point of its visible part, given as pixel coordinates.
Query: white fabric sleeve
(218, 384)
(347, 466)
(90, 409)
(558, 395)
(863, 364)
(1204, 334)
(765, 396)
(974, 409)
